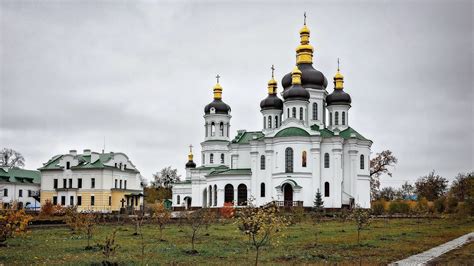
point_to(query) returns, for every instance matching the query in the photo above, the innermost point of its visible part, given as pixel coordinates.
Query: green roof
(345, 134)
(220, 167)
(241, 171)
(84, 162)
(245, 137)
(16, 175)
(292, 132)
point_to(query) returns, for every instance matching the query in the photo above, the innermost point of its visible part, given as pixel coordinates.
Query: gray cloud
(139, 74)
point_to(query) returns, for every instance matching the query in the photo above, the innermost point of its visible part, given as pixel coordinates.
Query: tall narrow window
(120, 184)
(211, 159)
(68, 165)
(221, 129)
(222, 158)
(276, 121)
(20, 193)
(293, 110)
(92, 182)
(264, 122)
(215, 195)
(343, 118)
(64, 183)
(288, 113)
(326, 160)
(55, 183)
(227, 127)
(71, 200)
(110, 200)
(70, 182)
(362, 161)
(262, 190)
(203, 158)
(79, 183)
(269, 122)
(125, 184)
(303, 159)
(178, 200)
(207, 128)
(330, 118)
(262, 162)
(336, 118)
(315, 111)
(301, 113)
(79, 200)
(289, 160)
(116, 182)
(213, 129)
(326, 189)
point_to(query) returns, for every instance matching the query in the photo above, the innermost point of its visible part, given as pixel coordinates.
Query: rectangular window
(70, 183)
(125, 184)
(116, 183)
(79, 183)
(63, 200)
(5, 192)
(120, 184)
(92, 200)
(68, 165)
(92, 182)
(55, 183)
(71, 200)
(29, 193)
(64, 183)
(110, 201)
(124, 167)
(79, 200)
(55, 200)
(20, 193)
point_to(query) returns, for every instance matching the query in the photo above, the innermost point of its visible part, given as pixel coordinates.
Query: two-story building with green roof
(306, 145)
(19, 188)
(92, 181)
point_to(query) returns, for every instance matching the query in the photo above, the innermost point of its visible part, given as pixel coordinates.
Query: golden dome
(304, 51)
(296, 76)
(338, 79)
(217, 89)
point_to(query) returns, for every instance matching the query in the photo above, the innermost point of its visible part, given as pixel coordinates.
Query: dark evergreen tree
(318, 202)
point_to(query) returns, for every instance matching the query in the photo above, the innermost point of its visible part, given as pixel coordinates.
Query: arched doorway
(288, 195)
(187, 202)
(229, 193)
(242, 195)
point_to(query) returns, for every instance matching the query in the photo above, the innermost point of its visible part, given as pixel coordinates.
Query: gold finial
(190, 155)
(304, 52)
(338, 78)
(272, 84)
(217, 89)
(296, 76)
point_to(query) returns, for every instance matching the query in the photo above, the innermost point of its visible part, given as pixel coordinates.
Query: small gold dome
(296, 76)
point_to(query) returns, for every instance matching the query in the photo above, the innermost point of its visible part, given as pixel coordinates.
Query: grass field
(385, 241)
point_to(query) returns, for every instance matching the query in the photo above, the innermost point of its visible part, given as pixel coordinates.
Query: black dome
(271, 102)
(190, 164)
(296, 92)
(338, 97)
(310, 78)
(220, 106)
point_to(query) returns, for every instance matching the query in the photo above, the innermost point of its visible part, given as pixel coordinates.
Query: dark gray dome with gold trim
(296, 92)
(271, 102)
(219, 106)
(190, 164)
(311, 78)
(338, 97)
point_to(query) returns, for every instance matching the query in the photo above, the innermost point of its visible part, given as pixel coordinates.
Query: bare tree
(197, 220)
(11, 159)
(161, 216)
(380, 165)
(165, 178)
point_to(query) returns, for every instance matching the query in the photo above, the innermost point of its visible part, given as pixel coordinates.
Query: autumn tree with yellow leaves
(12, 223)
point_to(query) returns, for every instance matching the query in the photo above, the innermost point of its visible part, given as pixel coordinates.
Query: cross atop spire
(304, 18)
(191, 148)
(273, 71)
(338, 64)
(218, 77)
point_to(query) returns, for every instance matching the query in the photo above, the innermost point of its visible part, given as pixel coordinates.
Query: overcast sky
(140, 74)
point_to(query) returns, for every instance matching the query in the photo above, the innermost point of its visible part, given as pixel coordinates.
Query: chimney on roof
(73, 152)
(87, 152)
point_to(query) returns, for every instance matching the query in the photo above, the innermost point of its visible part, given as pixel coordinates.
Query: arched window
(262, 190)
(289, 160)
(336, 118)
(343, 118)
(303, 159)
(269, 122)
(326, 189)
(210, 196)
(178, 200)
(203, 159)
(262, 162)
(362, 161)
(222, 158)
(301, 113)
(211, 159)
(276, 121)
(330, 119)
(229, 193)
(242, 195)
(288, 112)
(227, 130)
(213, 129)
(326, 160)
(293, 112)
(221, 129)
(264, 122)
(215, 195)
(315, 111)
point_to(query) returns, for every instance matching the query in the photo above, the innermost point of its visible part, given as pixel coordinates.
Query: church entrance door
(288, 195)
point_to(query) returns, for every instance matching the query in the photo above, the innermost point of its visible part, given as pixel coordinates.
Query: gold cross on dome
(191, 148)
(218, 77)
(338, 64)
(304, 18)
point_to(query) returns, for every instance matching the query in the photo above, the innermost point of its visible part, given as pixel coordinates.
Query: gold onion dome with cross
(190, 163)
(217, 106)
(311, 78)
(272, 101)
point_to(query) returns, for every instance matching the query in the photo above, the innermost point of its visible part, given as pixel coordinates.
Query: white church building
(306, 145)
